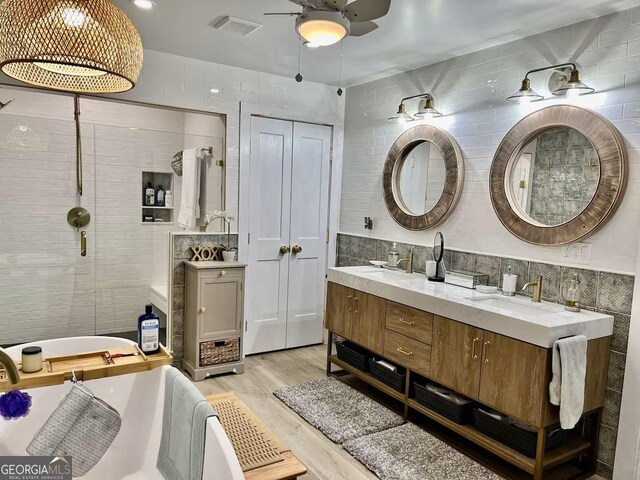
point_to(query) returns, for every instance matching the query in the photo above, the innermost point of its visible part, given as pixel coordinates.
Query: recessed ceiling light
(144, 4)
(215, 90)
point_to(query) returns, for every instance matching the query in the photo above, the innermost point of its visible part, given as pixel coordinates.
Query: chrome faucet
(409, 260)
(537, 288)
(13, 374)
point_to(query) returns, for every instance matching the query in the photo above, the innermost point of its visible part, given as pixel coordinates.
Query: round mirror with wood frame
(593, 153)
(447, 152)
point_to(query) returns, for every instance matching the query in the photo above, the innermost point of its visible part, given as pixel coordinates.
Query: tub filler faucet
(10, 367)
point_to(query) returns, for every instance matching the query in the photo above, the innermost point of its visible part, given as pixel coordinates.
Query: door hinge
(250, 147)
(331, 157)
(327, 240)
(248, 239)
(246, 325)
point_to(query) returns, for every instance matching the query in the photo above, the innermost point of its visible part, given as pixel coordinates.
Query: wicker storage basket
(216, 352)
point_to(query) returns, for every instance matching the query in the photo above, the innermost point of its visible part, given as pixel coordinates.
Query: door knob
(296, 249)
(203, 310)
(223, 273)
(284, 249)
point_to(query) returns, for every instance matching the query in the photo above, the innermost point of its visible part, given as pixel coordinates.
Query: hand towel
(569, 366)
(82, 426)
(181, 455)
(190, 199)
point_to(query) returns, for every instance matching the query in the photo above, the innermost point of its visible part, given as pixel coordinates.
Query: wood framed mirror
(558, 175)
(423, 177)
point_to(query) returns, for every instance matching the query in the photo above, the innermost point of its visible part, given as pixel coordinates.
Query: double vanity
(492, 349)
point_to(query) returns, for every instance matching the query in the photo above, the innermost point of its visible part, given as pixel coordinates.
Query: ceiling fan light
(573, 87)
(402, 116)
(322, 28)
(85, 47)
(526, 94)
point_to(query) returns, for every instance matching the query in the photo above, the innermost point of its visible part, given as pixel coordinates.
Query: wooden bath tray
(88, 366)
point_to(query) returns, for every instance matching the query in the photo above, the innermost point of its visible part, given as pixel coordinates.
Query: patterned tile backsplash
(599, 291)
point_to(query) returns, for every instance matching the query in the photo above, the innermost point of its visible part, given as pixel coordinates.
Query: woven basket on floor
(216, 352)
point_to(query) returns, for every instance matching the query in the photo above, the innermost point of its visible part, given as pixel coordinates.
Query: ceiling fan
(325, 22)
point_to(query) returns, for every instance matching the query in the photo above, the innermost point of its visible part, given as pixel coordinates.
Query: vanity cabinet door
(339, 317)
(514, 377)
(368, 321)
(455, 356)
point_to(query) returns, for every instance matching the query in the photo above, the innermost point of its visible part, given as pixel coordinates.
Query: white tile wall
(470, 90)
(46, 288)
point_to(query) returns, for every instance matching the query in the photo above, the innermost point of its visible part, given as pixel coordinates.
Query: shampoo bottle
(150, 195)
(160, 196)
(149, 331)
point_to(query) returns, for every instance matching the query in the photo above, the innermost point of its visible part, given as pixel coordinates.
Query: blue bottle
(149, 331)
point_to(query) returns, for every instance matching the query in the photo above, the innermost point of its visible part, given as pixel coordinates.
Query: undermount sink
(519, 305)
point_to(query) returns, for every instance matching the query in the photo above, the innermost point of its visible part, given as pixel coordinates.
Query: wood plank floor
(265, 373)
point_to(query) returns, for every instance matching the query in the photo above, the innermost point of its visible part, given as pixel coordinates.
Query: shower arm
(76, 116)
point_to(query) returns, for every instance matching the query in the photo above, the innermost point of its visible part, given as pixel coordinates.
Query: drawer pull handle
(473, 350)
(223, 273)
(349, 298)
(402, 320)
(485, 348)
(203, 309)
(356, 305)
(406, 353)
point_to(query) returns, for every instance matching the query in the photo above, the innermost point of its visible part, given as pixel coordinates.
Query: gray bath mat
(409, 453)
(337, 410)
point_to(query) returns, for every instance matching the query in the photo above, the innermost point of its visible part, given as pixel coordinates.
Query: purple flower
(14, 405)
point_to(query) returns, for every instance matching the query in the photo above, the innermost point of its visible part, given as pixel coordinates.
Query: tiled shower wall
(47, 290)
(600, 291)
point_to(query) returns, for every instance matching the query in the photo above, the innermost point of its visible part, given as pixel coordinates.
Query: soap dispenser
(572, 300)
(150, 195)
(394, 256)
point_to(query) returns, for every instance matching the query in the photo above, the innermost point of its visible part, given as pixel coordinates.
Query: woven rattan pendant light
(84, 46)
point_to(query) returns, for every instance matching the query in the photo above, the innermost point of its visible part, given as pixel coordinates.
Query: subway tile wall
(470, 90)
(47, 289)
(604, 292)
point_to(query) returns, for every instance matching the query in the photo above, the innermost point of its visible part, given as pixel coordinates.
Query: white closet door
(270, 203)
(309, 217)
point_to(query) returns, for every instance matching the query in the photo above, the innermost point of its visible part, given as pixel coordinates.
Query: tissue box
(466, 279)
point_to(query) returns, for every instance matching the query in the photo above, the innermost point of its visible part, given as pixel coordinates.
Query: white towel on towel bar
(569, 367)
(190, 198)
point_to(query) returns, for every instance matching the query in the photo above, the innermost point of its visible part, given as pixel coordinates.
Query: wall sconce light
(426, 109)
(564, 81)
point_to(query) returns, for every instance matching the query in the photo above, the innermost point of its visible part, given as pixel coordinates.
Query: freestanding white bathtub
(139, 399)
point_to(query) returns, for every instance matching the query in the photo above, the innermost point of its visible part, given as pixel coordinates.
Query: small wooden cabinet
(214, 318)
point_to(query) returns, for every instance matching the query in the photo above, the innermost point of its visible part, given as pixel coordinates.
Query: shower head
(2, 105)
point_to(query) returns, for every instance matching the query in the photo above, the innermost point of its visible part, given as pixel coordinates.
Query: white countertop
(516, 317)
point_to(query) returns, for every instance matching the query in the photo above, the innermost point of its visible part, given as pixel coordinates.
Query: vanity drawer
(407, 352)
(410, 322)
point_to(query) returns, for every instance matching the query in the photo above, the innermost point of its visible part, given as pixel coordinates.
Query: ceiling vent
(237, 25)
